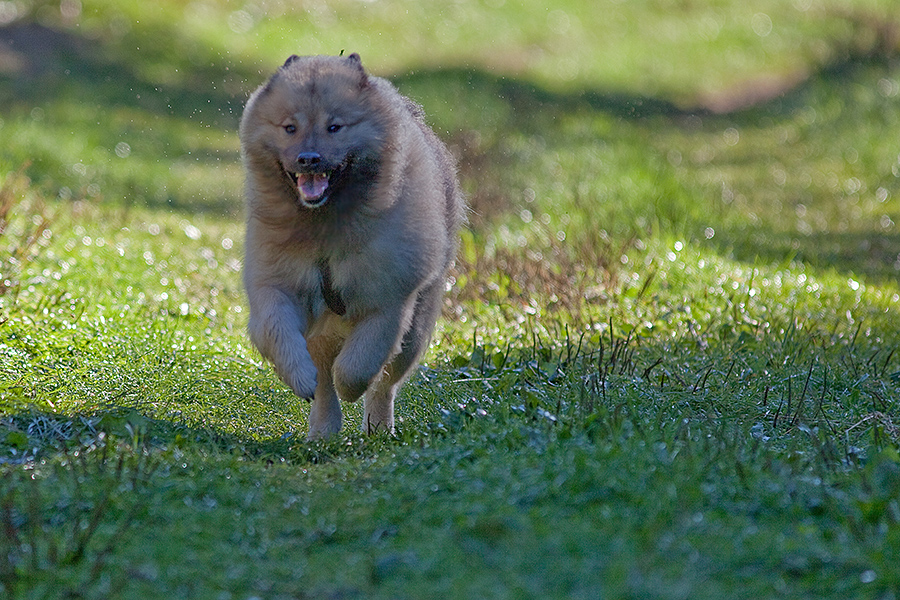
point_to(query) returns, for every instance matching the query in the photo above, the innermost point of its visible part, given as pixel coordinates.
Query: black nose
(309, 159)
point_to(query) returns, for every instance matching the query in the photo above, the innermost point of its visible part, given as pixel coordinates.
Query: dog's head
(317, 117)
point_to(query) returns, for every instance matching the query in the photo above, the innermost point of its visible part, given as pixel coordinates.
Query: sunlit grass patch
(24, 229)
(668, 362)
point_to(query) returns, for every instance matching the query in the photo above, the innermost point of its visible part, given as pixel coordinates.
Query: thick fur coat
(353, 209)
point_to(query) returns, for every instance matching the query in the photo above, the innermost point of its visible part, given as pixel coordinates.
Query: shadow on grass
(529, 100)
(849, 114)
(873, 256)
(33, 434)
(153, 88)
(39, 62)
(866, 250)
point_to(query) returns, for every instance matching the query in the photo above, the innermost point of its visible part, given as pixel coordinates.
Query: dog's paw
(302, 380)
(323, 432)
(349, 388)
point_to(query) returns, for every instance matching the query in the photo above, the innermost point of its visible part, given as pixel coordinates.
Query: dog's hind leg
(325, 410)
(378, 412)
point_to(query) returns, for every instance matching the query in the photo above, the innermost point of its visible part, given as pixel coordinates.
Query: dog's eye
(334, 128)
(290, 128)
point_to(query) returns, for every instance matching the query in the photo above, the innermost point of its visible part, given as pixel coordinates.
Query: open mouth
(316, 185)
(312, 188)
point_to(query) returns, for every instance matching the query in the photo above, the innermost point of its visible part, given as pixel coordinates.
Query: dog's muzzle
(313, 178)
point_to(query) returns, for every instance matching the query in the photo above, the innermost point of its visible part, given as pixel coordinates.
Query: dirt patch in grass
(873, 38)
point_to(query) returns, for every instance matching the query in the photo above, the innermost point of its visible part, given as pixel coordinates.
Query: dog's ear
(356, 62)
(277, 74)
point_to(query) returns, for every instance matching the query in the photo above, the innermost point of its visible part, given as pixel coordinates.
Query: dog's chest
(333, 299)
(361, 284)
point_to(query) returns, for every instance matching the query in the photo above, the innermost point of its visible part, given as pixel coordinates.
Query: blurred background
(583, 128)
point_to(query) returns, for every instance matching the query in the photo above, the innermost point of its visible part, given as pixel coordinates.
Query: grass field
(667, 366)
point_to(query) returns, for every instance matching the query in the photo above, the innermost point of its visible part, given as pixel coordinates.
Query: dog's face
(317, 117)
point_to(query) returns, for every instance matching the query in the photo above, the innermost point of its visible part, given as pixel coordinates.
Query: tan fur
(386, 229)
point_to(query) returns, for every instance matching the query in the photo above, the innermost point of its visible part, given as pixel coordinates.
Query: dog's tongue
(312, 185)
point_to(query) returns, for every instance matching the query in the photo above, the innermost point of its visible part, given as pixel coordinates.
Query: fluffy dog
(353, 208)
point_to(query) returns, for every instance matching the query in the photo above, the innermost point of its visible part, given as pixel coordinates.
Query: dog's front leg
(277, 327)
(372, 343)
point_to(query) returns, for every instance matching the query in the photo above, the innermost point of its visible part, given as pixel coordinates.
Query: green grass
(667, 367)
